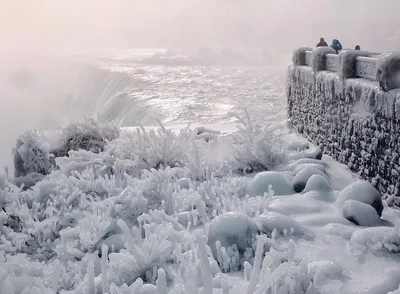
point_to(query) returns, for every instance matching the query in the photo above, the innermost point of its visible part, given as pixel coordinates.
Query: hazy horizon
(56, 25)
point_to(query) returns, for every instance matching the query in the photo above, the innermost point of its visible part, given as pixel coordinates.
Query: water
(119, 86)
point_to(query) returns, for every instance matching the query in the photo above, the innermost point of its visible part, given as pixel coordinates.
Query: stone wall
(354, 119)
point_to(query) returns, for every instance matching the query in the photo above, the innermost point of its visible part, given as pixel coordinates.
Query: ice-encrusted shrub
(163, 147)
(143, 256)
(87, 134)
(257, 148)
(32, 155)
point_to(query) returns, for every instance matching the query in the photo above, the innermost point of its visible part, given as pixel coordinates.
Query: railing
(382, 68)
(332, 62)
(366, 67)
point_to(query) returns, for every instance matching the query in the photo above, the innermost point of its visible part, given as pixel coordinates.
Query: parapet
(384, 68)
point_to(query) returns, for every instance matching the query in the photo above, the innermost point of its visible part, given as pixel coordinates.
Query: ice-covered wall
(349, 105)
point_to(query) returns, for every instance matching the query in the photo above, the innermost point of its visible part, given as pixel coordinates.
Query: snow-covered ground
(234, 204)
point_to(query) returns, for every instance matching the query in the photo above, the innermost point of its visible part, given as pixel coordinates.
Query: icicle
(140, 258)
(225, 286)
(257, 265)
(104, 265)
(161, 282)
(291, 251)
(247, 270)
(57, 270)
(272, 278)
(205, 265)
(90, 273)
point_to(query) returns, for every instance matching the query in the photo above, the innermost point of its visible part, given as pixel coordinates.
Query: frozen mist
(114, 191)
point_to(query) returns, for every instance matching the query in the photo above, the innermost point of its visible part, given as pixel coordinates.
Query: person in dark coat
(336, 45)
(357, 47)
(322, 43)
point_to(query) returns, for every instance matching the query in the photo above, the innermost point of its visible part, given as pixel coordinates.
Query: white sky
(37, 24)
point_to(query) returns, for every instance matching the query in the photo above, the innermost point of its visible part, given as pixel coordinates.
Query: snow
(117, 221)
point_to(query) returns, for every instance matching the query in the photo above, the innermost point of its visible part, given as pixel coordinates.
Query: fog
(75, 24)
(34, 33)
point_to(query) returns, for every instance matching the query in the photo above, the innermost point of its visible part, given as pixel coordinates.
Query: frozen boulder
(312, 153)
(114, 242)
(232, 228)
(269, 221)
(360, 213)
(301, 178)
(280, 183)
(183, 183)
(300, 167)
(304, 162)
(185, 217)
(317, 183)
(361, 191)
(376, 239)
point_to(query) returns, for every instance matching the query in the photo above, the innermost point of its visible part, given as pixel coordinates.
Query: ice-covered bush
(32, 155)
(88, 135)
(257, 148)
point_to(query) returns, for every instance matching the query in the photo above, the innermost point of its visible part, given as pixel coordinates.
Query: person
(336, 45)
(322, 43)
(357, 47)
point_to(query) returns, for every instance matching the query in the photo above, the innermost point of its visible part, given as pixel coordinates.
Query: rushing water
(123, 88)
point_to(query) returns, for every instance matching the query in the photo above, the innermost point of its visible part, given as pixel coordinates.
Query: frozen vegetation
(95, 209)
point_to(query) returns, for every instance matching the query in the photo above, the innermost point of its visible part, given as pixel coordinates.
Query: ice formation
(150, 212)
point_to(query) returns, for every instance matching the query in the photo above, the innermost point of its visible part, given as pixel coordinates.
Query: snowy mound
(364, 192)
(156, 211)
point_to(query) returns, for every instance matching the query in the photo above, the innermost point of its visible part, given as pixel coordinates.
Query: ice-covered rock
(303, 162)
(376, 239)
(300, 167)
(360, 213)
(317, 183)
(232, 228)
(183, 183)
(114, 243)
(361, 191)
(301, 178)
(280, 183)
(269, 221)
(324, 270)
(185, 217)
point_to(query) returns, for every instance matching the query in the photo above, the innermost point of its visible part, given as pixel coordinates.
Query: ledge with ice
(348, 104)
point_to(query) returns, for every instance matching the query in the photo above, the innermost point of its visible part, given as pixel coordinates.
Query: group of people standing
(335, 45)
